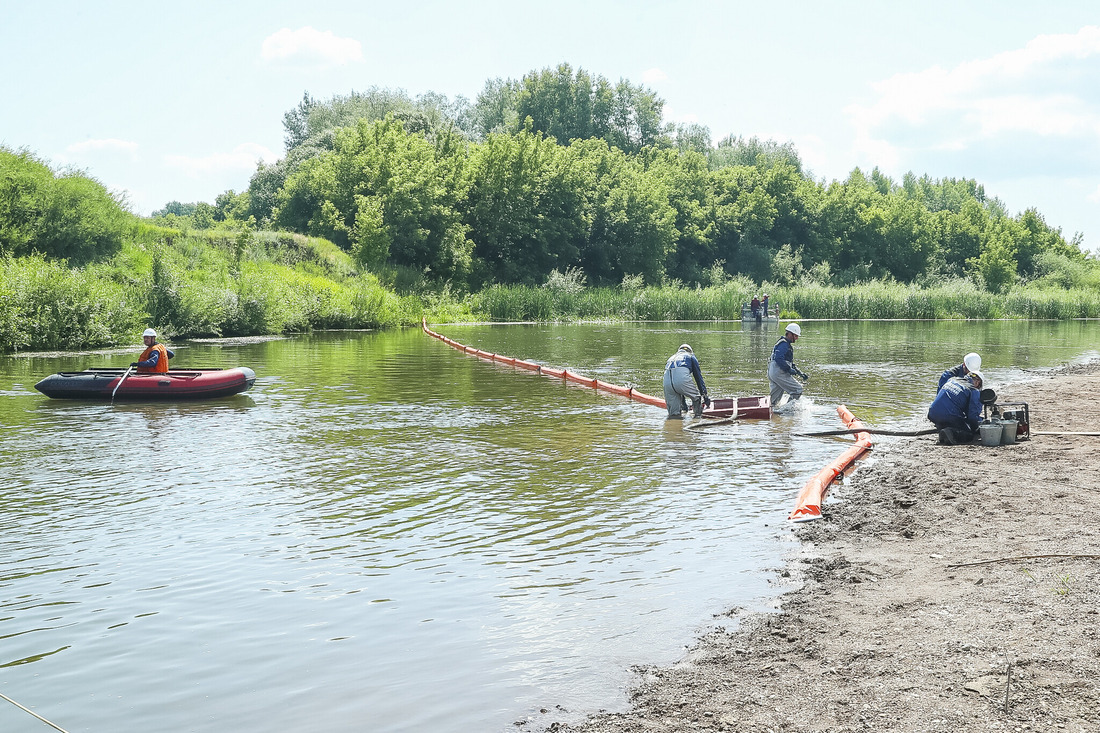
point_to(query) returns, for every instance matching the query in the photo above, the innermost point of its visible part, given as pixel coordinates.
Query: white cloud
(1095, 196)
(242, 157)
(1045, 96)
(109, 145)
(671, 114)
(653, 76)
(310, 46)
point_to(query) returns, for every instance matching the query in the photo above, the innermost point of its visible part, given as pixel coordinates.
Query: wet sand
(948, 588)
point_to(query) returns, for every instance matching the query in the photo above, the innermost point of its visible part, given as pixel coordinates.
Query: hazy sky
(177, 101)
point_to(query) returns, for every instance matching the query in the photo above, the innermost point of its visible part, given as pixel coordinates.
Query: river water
(385, 534)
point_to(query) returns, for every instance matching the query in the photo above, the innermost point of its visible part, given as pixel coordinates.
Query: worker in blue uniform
(781, 367)
(684, 381)
(971, 363)
(957, 409)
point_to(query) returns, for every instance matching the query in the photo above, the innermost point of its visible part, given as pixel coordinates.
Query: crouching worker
(781, 368)
(971, 363)
(957, 409)
(684, 381)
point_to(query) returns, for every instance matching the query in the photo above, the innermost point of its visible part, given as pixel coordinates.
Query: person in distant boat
(155, 358)
(754, 306)
(971, 363)
(684, 381)
(764, 305)
(781, 368)
(957, 409)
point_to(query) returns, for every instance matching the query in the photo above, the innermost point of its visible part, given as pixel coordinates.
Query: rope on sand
(13, 702)
(1023, 557)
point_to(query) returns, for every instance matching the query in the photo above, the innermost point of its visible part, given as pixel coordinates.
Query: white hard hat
(685, 347)
(973, 362)
(149, 332)
(795, 329)
(978, 375)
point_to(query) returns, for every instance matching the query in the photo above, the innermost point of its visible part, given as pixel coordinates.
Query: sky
(179, 101)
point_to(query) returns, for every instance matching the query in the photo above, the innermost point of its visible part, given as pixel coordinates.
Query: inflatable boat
(175, 384)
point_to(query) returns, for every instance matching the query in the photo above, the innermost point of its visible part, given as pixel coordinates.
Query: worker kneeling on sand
(781, 368)
(683, 381)
(957, 409)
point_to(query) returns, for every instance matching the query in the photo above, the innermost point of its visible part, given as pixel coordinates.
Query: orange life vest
(162, 360)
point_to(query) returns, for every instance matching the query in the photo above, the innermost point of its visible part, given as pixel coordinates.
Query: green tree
(633, 225)
(204, 217)
(232, 206)
(296, 122)
(495, 110)
(737, 151)
(379, 168)
(959, 235)
(996, 265)
(690, 193)
(692, 137)
(567, 105)
(526, 208)
(67, 215)
(744, 216)
(1033, 238)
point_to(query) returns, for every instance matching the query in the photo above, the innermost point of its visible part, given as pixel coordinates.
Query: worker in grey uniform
(683, 381)
(781, 368)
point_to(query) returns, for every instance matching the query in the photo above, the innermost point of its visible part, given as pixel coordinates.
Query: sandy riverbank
(894, 625)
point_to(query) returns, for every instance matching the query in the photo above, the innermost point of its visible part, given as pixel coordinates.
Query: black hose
(873, 431)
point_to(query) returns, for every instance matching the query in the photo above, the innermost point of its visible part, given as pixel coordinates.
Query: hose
(875, 431)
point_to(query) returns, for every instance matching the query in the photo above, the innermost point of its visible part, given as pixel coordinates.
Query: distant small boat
(175, 384)
(740, 408)
(772, 316)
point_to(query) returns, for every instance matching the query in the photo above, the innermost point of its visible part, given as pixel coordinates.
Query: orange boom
(760, 408)
(813, 493)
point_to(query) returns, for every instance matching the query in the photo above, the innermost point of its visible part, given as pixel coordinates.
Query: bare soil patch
(894, 624)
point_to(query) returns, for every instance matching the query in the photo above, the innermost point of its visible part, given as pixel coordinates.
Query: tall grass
(45, 305)
(876, 300)
(212, 284)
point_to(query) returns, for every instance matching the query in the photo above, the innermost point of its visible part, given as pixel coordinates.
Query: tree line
(563, 170)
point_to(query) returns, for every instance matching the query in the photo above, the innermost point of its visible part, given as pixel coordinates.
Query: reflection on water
(386, 534)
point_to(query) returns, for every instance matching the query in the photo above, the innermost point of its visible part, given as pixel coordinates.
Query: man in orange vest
(155, 357)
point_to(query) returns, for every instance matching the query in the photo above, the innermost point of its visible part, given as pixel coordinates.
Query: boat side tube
(813, 493)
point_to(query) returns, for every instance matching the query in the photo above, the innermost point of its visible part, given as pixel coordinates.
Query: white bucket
(1008, 433)
(991, 433)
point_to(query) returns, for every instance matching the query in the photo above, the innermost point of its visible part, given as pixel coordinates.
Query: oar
(120, 381)
(711, 423)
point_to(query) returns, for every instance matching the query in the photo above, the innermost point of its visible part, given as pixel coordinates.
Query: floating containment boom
(723, 407)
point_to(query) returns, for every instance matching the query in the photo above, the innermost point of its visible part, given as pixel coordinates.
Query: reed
(869, 301)
(191, 286)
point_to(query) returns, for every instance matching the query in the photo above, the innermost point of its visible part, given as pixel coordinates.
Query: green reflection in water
(479, 539)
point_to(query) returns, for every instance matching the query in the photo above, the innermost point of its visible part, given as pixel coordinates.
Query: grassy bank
(204, 284)
(196, 285)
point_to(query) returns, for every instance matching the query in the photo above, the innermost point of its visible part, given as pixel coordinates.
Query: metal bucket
(991, 433)
(1008, 434)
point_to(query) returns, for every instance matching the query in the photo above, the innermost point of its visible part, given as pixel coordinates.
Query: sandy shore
(948, 588)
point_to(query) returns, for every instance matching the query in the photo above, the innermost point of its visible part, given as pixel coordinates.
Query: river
(385, 534)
